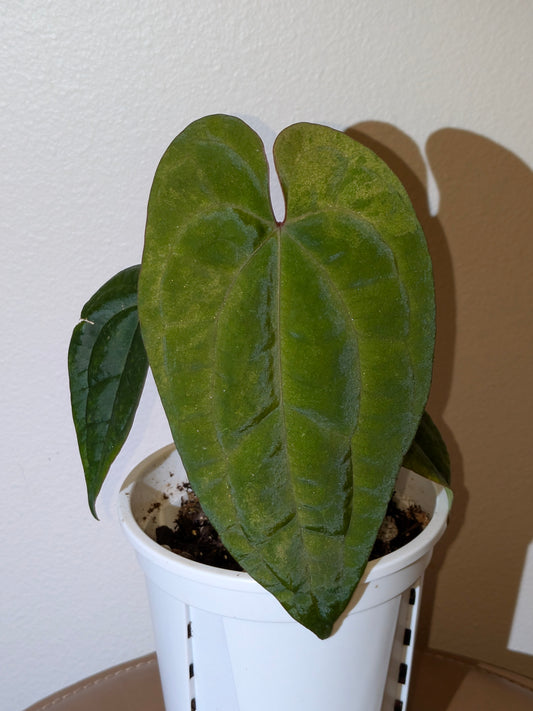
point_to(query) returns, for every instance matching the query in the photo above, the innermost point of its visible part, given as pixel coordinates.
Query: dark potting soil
(194, 537)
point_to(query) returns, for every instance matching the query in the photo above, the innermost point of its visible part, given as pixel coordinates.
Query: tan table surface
(440, 683)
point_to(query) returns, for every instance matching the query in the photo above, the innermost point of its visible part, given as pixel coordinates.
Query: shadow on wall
(482, 251)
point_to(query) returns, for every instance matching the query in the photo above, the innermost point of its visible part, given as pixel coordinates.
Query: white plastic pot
(225, 644)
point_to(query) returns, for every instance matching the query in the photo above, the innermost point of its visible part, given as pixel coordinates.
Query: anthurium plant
(293, 359)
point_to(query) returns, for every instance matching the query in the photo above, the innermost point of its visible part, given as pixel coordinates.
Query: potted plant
(293, 360)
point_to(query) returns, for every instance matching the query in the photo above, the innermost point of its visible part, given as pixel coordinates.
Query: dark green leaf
(428, 455)
(293, 360)
(107, 368)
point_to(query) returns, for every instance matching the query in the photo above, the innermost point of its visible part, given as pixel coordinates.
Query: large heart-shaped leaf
(293, 360)
(107, 368)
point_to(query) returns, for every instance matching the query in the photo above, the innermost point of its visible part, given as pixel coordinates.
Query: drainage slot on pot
(402, 674)
(192, 685)
(398, 705)
(407, 637)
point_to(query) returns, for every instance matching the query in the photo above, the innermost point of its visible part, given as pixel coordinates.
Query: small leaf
(293, 360)
(428, 455)
(107, 368)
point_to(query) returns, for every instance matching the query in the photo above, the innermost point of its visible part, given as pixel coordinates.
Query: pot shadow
(485, 194)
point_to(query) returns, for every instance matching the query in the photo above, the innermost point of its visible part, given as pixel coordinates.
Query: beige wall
(481, 242)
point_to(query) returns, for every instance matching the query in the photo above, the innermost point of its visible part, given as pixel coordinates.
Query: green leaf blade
(428, 455)
(107, 366)
(287, 357)
(352, 217)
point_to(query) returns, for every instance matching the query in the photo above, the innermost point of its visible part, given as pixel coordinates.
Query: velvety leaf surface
(293, 360)
(107, 368)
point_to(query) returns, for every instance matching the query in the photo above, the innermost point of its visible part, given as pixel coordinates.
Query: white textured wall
(91, 95)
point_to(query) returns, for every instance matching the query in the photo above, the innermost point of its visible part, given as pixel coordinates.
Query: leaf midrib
(278, 233)
(122, 315)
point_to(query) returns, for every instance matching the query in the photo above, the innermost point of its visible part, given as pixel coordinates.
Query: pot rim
(231, 579)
